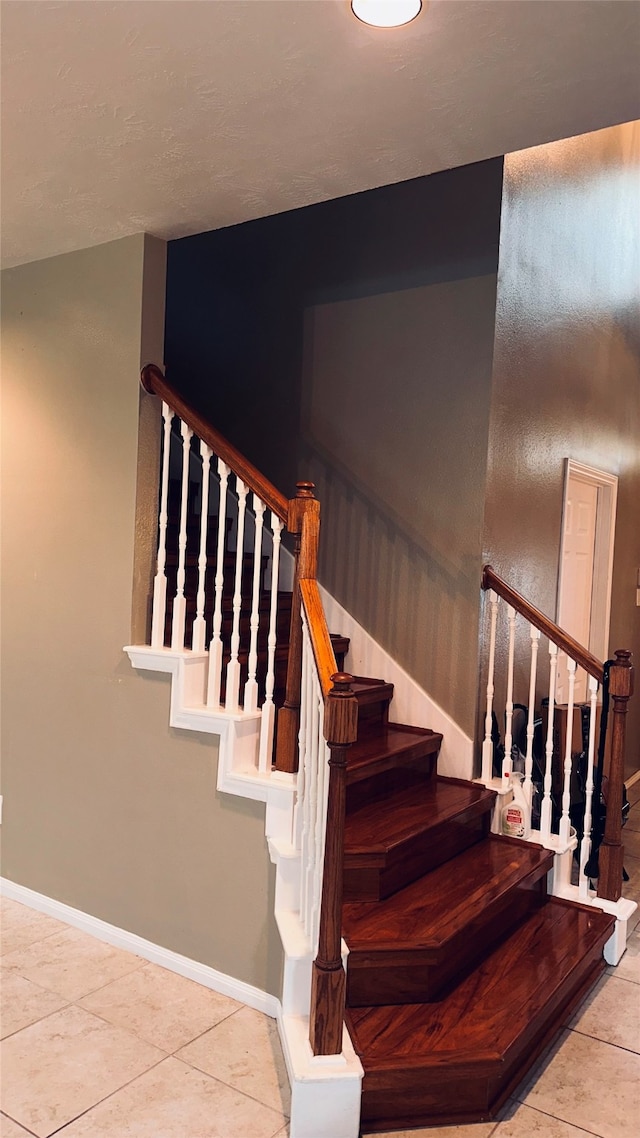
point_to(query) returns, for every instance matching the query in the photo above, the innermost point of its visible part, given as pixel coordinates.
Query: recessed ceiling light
(386, 13)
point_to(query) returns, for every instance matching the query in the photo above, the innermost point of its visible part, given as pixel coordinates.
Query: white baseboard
(192, 969)
(238, 731)
(325, 1090)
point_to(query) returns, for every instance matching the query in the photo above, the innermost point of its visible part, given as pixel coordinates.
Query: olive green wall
(566, 380)
(105, 807)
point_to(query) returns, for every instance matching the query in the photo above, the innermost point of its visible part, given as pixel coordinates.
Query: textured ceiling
(177, 116)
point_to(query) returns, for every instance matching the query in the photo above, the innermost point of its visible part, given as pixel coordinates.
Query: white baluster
(232, 700)
(312, 797)
(180, 602)
(268, 709)
(487, 746)
(527, 785)
(160, 581)
(215, 647)
(305, 844)
(326, 771)
(321, 825)
(565, 819)
(585, 845)
(508, 717)
(199, 626)
(251, 686)
(545, 813)
(298, 810)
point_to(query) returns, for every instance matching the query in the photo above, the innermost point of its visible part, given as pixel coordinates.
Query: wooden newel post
(304, 522)
(328, 983)
(612, 850)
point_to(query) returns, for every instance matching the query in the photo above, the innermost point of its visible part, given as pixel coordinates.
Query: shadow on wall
(402, 588)
(353, 341)
(394, 423)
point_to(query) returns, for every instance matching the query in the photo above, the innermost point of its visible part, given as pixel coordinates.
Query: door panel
(578, 549)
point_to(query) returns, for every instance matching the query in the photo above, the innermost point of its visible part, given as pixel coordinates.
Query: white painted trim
(622, 910)
(183, 965)
(326, 1090)
(238, 731)
(607, 485)
(411, 704)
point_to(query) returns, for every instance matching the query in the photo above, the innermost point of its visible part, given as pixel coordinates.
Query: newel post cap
(621, 675)
(342, 682)
(305, 489)
(341, 715)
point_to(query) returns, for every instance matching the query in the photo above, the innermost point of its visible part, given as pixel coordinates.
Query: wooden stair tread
(485, 1015)
(340, 643)
(427, 914)
(367, 689)
(393, 741)
(378, 826)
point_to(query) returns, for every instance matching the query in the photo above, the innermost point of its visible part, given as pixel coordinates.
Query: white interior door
(577, 572)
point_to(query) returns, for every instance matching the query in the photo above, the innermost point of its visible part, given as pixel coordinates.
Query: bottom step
(457, 1060)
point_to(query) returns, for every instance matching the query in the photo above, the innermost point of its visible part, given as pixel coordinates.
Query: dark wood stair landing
(458, 1059)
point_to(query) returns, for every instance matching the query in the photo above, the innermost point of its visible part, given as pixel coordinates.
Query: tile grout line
(128, 1083)
(69, 999)
(143, 1038)
(166, 1055)
(546, 1114)
(607, 1043)
(3, 1114)
(40, 1019)
(38, 939)
(193, 1066)
(207, 1029)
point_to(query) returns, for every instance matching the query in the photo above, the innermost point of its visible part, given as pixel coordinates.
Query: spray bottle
(515, 815)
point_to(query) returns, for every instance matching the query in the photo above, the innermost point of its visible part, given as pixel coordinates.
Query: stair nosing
(480, 803)
(540, 996)
(514, 877)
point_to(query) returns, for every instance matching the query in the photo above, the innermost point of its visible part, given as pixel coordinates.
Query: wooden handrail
(304, 522)
(319, 634)
(155, 383)
(491, 580)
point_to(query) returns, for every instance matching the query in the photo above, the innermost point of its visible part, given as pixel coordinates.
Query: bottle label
(513, 821)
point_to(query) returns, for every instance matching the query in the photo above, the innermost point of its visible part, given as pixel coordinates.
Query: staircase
(461, 965)
(452, 937)
(461, 968)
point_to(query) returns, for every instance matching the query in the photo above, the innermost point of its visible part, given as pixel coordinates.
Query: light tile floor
(97, 1043)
